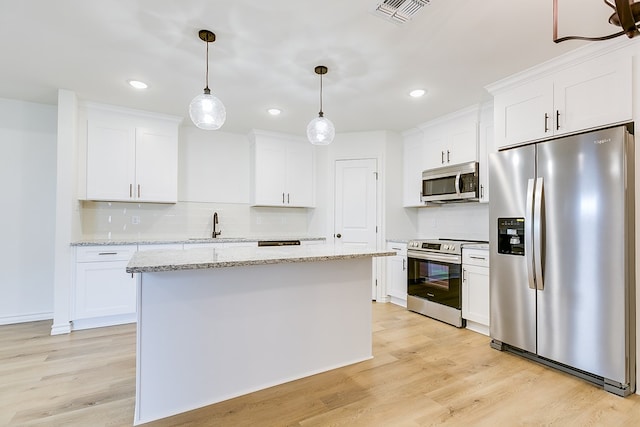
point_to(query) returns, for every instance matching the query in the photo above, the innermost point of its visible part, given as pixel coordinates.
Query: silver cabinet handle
(130, 190)
(481, 191)
(557, 119)
(282, 198)
(546, 122)
(107, 253)
(288, 198)
(404, 264)
(448, 160)
(442, 157)
(537, 234)
(477, 257)
(528, 242)
(138, 190)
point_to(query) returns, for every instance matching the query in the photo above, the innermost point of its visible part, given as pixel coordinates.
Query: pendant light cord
(321, 95)
(206, 88)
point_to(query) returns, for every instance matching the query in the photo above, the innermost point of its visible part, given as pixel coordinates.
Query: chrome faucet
(215, 233)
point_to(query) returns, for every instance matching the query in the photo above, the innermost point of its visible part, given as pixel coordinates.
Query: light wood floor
(424, 373)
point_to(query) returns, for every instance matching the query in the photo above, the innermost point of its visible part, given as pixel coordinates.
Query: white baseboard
(478, 327)
(99, 322)
(398, 301)
(32, 317)
(61, 329)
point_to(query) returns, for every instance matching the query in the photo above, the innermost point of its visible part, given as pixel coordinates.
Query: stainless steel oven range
(434, 279)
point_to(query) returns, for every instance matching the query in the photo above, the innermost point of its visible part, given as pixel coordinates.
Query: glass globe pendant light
(320, 130)
(207, 112)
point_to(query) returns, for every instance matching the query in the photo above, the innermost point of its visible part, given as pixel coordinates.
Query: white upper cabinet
(593, 93)
(282, 171)
(451, 140)
(448, 140)
(413, 164)
(130, 156)
(486, 146)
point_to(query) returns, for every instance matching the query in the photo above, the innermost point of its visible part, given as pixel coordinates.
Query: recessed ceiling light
(274, 111)
(417, 93)
(138, 84)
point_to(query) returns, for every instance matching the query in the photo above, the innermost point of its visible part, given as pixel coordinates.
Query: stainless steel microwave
(457, 183)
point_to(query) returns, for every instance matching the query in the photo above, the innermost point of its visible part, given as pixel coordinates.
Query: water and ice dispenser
(511, 236)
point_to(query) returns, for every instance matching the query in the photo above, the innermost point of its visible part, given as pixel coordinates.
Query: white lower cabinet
(397, 273)
(475, 289)
(105, 294)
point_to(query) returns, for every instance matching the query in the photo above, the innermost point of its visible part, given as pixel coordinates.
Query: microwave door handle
(528, 240)
(537, 233)
(458, 184)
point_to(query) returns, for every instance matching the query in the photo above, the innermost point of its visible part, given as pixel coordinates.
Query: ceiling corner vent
(399, 11)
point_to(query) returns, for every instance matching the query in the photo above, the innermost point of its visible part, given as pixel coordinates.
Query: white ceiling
(266, 51)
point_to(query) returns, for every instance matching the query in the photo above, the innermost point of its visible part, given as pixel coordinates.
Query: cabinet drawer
(399, 248)
(105, 253)
(479, 257)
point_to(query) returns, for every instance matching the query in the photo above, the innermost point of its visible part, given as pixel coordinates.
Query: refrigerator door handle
(537, 233)
(528, 240)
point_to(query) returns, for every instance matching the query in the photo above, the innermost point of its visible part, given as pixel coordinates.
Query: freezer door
(512, 301)
(582, 309)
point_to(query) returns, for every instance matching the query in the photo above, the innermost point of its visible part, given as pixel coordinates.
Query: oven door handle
(451, 259)
(458, 184)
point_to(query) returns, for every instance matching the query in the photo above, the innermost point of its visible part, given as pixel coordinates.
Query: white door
(355, 216)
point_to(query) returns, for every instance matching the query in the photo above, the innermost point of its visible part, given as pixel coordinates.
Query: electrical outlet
(135, 219)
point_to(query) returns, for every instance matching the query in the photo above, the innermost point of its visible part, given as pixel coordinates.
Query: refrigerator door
(512, 301)
(582, 309)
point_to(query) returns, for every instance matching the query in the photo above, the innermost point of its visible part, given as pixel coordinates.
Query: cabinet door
(413, 166)
(270, 161)
(104, 289)
(156, 166)
(110, 162)
(300, 186)
(397, 275)
(437, 152)
(524, 113)
(462, 146)
(593, 94)
(475, 294)
(485, 147)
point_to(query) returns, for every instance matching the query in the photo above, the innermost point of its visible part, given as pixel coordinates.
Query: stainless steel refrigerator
(562, 255)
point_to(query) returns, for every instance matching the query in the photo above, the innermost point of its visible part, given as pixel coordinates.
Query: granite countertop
(204, 258)
(148, 241)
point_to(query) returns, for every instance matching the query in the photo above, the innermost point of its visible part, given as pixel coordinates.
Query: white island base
(208, 335)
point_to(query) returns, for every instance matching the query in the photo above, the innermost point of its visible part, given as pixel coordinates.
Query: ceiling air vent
(399, 11)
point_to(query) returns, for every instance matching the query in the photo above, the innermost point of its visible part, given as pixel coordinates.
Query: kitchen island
(216, 323)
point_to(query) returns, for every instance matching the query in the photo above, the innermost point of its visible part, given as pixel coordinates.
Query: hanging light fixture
(320, 130)
(206, 111)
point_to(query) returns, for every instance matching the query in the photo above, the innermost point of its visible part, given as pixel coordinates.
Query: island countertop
(205, 258)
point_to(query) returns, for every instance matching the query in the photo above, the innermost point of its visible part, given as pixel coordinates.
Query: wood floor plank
(424, 373)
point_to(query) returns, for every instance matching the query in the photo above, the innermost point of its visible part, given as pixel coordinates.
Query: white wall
(27, 179)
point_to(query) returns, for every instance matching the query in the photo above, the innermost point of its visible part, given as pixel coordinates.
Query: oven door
(435, 277)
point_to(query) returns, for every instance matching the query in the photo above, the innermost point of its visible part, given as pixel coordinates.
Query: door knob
(338, 235)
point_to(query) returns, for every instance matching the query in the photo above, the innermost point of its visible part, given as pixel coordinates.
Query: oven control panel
(442, 246)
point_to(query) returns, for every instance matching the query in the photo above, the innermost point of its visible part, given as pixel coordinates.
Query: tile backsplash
(468, 221)
(117, 220)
